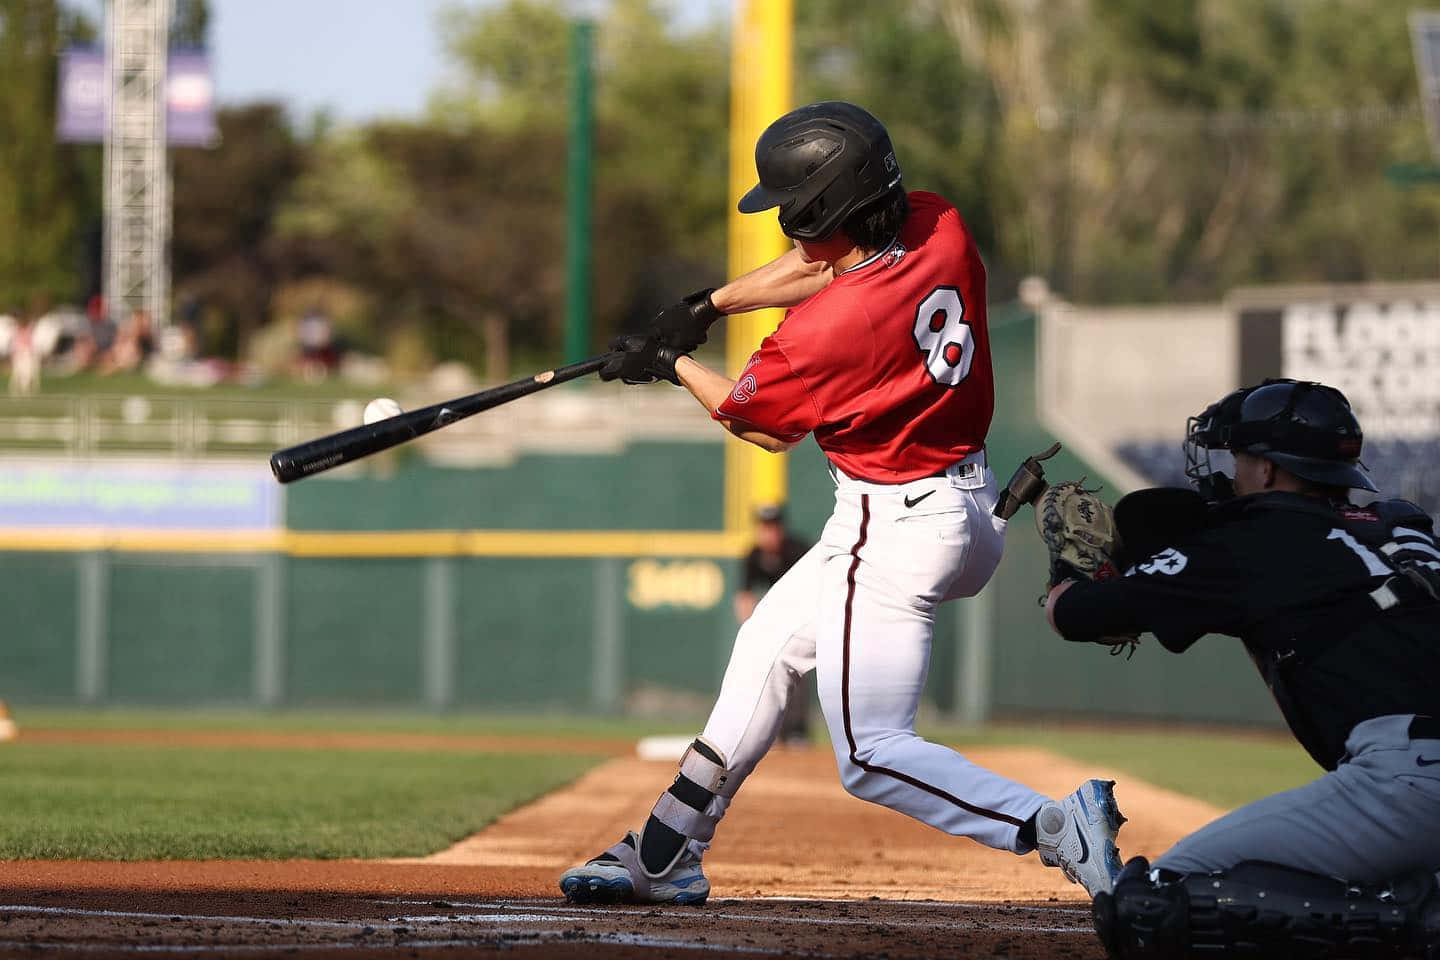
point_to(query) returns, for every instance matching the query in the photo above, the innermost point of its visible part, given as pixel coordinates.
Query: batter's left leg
(876, 619)
(877, 609)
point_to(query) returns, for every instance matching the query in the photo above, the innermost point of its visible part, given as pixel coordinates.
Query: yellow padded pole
(760, 80)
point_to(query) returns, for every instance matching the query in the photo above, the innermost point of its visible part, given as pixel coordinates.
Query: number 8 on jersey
(944, 337)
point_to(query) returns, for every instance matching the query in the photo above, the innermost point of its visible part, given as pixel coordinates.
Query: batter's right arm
(783, 282)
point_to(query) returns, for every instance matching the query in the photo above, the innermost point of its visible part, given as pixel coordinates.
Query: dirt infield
(799, 869)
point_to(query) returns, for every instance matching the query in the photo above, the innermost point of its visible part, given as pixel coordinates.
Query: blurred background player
(776, 550)
(885, 358)
(1339, 607)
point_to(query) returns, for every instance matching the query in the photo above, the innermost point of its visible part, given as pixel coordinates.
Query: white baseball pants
(859, 609)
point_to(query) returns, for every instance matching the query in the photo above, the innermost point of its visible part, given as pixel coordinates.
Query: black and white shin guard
(683, 812)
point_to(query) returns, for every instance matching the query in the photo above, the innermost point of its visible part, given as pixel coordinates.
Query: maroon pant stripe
(845, 689)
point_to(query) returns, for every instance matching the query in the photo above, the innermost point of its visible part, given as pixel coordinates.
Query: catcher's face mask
(1208, 431)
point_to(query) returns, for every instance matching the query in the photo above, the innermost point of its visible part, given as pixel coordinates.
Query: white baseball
(382, 408)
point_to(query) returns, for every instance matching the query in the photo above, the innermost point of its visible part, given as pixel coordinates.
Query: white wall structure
(1110, 375)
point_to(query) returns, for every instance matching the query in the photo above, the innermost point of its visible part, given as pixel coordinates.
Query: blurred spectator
(24, 360)
(776, 550)
(318, 355)
(176, 361)
(132, 347)
(102, 329)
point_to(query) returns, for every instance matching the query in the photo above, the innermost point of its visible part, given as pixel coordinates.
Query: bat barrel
(319, 455)
(316, 456)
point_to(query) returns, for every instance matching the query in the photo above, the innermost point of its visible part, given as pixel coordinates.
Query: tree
(1172, 151)
(939, 106)
(45, 197)
(190, 25)
(452, 236)
(225, 203)
(661, 158)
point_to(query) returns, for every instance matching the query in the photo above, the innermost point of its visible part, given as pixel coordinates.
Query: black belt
(1425, 728)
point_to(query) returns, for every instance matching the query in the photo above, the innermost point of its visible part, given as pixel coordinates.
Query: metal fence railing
(201, 426)
(183, 426)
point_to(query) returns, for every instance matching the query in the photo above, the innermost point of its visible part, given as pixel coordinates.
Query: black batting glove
(682, 326)
(640, 358)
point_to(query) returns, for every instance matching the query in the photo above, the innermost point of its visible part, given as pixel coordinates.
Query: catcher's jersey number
(944, 337)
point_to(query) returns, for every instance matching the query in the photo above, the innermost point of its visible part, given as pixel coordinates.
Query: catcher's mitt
(1079, 531)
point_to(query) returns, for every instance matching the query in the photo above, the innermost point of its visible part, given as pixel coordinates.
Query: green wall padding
(524, 632)
(37, 641)
(180, 630)
(353, 631)
(647, 486)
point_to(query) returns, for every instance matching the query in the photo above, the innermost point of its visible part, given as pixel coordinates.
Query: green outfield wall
(458, 629)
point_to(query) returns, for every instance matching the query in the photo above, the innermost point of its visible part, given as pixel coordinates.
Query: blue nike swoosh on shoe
(1084, 847)
(1422, 762)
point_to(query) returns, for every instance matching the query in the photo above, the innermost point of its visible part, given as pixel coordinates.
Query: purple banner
(189, 94)
(151, 496)
(81, 113)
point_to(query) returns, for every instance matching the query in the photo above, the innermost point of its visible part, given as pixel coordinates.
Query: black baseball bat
(317, 456)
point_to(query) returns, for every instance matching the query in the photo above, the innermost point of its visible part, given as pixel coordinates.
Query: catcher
(1337, 606)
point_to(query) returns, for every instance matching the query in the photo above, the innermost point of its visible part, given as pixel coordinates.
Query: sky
(359, 59)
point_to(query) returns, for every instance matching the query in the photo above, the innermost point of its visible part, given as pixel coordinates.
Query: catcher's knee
(683, 812)
(1257, 909)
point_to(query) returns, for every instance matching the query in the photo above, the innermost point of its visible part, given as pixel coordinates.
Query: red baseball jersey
(889, 365)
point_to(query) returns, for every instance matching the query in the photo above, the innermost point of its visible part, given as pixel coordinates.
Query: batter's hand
(638, 358)
(682, 326)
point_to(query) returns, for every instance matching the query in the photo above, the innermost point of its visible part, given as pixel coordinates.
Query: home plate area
(723, 928)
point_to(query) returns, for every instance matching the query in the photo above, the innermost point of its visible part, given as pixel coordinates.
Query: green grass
(1225, 768)
(138, 802)
(60, 801)
(355, 721)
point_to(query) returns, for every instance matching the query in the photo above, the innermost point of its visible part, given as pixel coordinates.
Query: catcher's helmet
(819, 164)
(1305, 427)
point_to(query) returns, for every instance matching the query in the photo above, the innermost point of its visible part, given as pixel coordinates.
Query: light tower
(137, 172)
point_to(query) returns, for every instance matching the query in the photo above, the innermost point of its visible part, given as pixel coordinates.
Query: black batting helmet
(1305, 427)
(819, 164)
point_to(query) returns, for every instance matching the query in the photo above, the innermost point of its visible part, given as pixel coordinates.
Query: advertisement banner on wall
(1380, 346)
(138, 496)
(82, 116)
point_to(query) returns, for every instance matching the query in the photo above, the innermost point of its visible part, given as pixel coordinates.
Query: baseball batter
(884, 357)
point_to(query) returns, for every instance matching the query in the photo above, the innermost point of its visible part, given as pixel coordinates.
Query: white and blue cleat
(616, 876)
(1077, 834)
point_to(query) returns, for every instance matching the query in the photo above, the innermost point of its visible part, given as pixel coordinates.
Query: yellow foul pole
(759, 93)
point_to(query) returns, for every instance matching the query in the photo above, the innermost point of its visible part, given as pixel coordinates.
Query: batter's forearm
(704, 384)
(711, 389)
(783, 282)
